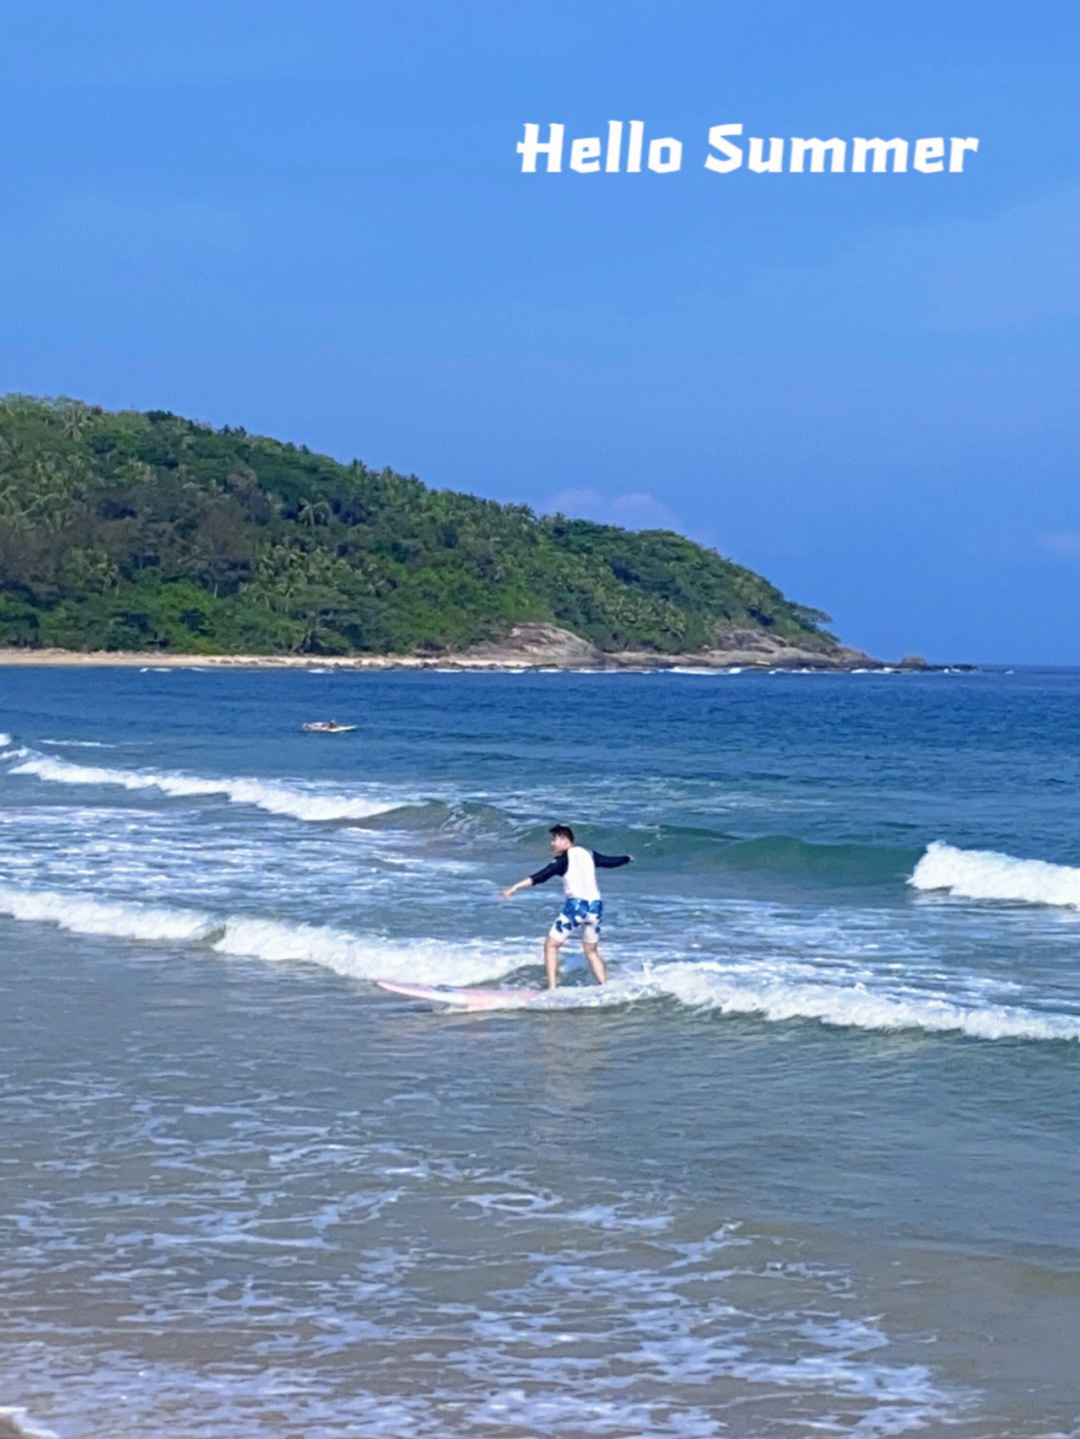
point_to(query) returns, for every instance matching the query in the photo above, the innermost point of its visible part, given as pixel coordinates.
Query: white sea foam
(82, 914)
(5, 741)
(275, 941)
(706, 670)
(778, 992)
(751, 990)
(427, 961)
(687, 1347)
(20, 1420)
(710, 985)
(77, 743)
(293, 801)
(984, 874)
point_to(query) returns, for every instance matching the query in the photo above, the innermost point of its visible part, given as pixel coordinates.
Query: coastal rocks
(741, 647)
(548, 646)
(773, 657)
(536, 643)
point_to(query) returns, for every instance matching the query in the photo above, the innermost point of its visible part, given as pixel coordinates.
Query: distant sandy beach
(528, 646)
(126, 659)
(155, 660)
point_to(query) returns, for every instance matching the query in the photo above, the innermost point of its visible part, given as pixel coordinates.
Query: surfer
(582, 908)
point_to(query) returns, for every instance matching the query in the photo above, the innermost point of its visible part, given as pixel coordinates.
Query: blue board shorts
(583, 914)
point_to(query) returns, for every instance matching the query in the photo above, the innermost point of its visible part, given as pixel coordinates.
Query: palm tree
(74, 418)
(310, 511)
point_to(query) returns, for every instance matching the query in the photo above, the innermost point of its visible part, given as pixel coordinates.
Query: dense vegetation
(142, 531)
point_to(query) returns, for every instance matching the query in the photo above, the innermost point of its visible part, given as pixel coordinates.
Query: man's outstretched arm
(549, 871)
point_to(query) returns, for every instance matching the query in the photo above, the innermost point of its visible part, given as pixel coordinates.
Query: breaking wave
(119, 918)
(430, 961)
(855, 1006)
(702, 984)
(278, 799)
(272, 940)
(984, 874)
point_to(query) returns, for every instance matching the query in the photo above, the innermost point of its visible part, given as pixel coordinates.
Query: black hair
(562, 830)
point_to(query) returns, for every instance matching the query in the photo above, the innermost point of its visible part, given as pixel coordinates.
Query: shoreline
(527, 647)
(128, 659)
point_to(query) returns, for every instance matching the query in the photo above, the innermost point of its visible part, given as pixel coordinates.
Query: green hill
(148, 531)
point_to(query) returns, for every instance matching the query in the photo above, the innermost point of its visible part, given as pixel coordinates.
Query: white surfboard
(474, 999)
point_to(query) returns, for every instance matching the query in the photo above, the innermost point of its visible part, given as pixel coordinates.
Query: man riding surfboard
(582, 907)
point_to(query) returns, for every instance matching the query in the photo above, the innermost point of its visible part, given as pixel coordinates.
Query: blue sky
(310, 220)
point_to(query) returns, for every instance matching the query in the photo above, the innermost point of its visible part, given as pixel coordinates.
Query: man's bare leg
(551, 960)
(592, 954)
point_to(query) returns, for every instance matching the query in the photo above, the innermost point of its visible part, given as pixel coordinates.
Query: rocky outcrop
(536, 644)
(545, 646)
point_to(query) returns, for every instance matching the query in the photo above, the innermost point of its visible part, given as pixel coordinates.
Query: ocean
(808, 1165)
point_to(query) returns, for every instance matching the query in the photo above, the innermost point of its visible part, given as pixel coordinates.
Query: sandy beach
(126, 659)
(528, 646)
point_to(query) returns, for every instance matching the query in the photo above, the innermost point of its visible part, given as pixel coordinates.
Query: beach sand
(528, 646)
(156, 659)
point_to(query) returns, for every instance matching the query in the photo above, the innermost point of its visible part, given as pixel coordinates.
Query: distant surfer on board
(582, 908)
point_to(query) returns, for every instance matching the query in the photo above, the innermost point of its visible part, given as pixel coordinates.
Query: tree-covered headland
(129, 531)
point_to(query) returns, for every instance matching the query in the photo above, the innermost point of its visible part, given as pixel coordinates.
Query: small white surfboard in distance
(474, 999)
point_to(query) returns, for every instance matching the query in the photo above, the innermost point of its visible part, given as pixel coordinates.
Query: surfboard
(318, 728)
(474, 999)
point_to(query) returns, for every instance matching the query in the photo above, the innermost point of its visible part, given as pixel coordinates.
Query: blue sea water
(808, 1164)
